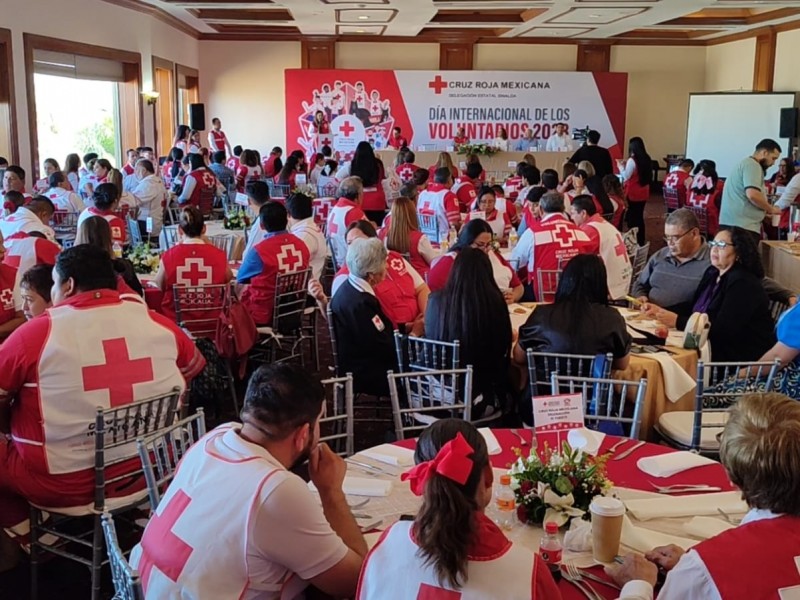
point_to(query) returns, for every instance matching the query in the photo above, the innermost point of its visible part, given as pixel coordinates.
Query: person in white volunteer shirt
(234, 492)
(61, 196)
(760, 558)
(150, 195)
(257, 196)
(452, 549)
(606, 241)
(33, 217)
(560, 141)
(217, 140)
(302, 224)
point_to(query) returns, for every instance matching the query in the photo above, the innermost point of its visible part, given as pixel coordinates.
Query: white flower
(559, 508)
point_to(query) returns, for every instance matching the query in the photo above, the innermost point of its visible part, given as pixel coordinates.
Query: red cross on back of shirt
(430, 592)
(620, 249)
(346, 128)
(333, 228)
(161, 547)
(118, 374)
(564, 235)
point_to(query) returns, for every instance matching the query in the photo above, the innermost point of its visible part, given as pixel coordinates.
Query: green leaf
(563, 486)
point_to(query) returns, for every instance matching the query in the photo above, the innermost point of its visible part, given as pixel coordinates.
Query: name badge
(376, 320)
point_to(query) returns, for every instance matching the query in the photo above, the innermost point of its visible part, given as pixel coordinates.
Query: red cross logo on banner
(325, 141)
(564, 235)
(289, 259)
(430, 592)
(119, 373)
(7, 298)
(194, 273)
(346, 128)
(437, 85)
(161, 547)
(620, 249)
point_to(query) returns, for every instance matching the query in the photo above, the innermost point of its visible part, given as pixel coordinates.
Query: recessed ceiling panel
(366, 16)
(595, 16)
(556, 32)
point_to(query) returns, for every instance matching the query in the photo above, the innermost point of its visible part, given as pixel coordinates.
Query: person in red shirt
(461, 137)
(370, 168)
(346, 211)
(217, 140)
(105, 199)
(132, 156)
(35, 287)
(199, 186)
(444, 160)
(95, 231)
(401, 234)
(278, 253)
(234, 162)
(273, 164)
(191, 263)
(25, 250)
(11, 315)
(396, 140)
(439, 200)
(248, 170)
(406, 170)
(90, 350)
(465, 187)
(486, 203)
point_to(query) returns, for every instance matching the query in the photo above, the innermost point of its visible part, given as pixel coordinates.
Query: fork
(584, 587)
(728, 518)
(681, 488)
(577, 573)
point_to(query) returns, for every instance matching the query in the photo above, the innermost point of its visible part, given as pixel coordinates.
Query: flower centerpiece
(236, 219)
(559, 487)
(145, 260)
(483, 149)
(305, 189)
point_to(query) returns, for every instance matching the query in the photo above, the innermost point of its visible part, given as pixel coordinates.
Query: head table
(629, 484)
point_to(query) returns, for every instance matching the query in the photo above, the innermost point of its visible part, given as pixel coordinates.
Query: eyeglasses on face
(720, 244)
(674, 239)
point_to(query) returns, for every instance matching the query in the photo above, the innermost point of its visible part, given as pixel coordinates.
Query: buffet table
(782, 262)
(630, 484)
(502, 163)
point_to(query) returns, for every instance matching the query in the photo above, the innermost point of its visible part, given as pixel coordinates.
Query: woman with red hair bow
(451, 544)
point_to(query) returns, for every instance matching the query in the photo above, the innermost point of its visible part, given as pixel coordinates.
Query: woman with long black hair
(472, 309)
(637, 175)
(579, 321)
(370, 169)
(451, 541)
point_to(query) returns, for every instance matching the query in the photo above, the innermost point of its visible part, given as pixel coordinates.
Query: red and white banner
(429, 106)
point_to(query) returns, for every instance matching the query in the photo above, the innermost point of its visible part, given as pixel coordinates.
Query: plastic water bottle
(513, 238)
(505, 504)
(550, 548)
(117, 249)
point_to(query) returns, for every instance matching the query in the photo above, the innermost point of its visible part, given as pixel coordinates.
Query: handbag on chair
(236, 331)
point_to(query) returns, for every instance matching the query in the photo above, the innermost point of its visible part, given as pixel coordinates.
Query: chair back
(223, 242)
(134, 232)
(429, 225)
(607, 402)
(672, 198)
(174, 214)
(161, 453)
(609, 217)
(333, 256)
(541, 366)
(547, 281)
(327, 190)
(170, 233)
(777, 308)
(421, 397)
(719, 385)
(206, 200)
(638, 262)
(117, 428)
(701, 212)
(422, 354)
(279, 191)
(197, 309)
(332, 334)
(127, 581)
(65, 224)
(336, 424)
(630, 239)
(290, 301)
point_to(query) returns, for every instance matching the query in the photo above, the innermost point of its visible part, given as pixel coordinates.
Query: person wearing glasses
(672, 274)
(759, 449)
(732, 295)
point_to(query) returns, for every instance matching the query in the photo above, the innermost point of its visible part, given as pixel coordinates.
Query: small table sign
(557, 414)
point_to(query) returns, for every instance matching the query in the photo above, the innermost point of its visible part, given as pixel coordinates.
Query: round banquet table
(623, 473)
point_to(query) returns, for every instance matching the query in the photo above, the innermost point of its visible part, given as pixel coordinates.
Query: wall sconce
(150, 97)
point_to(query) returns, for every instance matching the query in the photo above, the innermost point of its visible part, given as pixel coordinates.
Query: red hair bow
(452, 461)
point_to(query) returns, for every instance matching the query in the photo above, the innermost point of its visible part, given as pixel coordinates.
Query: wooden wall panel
(318, 54)
(455, 57)
(594, 57)
(764, 66)
(9, 141)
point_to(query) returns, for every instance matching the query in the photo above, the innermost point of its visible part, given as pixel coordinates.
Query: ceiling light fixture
(360, 31)
(363, 17)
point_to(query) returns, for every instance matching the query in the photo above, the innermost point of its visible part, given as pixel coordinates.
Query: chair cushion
(677, 426)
